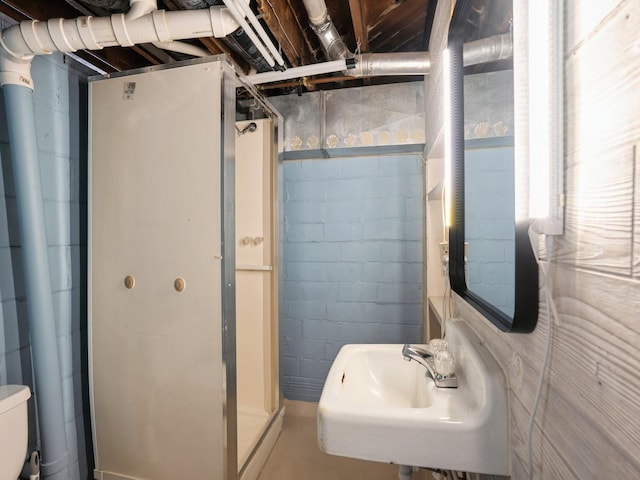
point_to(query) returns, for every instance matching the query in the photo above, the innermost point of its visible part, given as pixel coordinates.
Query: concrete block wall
(351, 258)
(489, 224)
(60, 108)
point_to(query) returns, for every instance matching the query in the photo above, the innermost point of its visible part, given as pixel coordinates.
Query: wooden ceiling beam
(281, 20)
(310, 40)
(29, 10)
(399, 27)
(359, 19)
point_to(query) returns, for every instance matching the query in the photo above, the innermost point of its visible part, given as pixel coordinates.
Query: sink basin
(377, 406)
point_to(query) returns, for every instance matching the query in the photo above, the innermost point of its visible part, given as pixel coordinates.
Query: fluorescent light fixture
(538, 67)
(297, 72)
(446, 62)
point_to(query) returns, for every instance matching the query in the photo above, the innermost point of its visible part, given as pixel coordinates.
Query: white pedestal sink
(377, 406)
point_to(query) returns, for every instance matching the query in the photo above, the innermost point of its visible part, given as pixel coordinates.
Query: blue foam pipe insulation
(35, 260)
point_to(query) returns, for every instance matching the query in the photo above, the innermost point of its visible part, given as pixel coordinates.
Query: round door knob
(179, 284)
(129, 281)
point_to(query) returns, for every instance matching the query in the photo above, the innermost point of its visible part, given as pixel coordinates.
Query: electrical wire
(444, 305)
(447, 281)
(551, 314)
(444, 213)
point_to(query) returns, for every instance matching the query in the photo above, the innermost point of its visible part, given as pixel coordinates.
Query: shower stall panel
(256, 288)
(162, 273)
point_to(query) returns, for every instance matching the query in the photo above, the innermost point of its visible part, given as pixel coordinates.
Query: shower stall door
(162, 273)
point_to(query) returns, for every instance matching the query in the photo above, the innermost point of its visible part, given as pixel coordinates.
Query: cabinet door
(155, 220)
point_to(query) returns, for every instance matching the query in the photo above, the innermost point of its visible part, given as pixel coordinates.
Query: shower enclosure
(162, 279)
(256, 293)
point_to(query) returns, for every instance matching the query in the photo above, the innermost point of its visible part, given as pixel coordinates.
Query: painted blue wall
(489, 225)
(60, 108)
(351, 259)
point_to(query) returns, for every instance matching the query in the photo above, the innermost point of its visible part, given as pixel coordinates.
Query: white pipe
(239, 17)
(260, 31)
(317, 11)
(297, 72)
(20, 42)
(138, 8)
(183, 47)
(21, 124)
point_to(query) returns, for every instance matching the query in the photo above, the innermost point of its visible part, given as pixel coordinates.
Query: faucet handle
(438, 345)
(444, 363)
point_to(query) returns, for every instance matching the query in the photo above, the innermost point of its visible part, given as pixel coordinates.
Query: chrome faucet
(422, 355)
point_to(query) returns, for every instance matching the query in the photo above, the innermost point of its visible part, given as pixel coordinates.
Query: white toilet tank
(14, 431)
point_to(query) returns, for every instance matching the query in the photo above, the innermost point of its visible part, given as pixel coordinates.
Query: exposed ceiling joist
(360, 27)
(284, 24)
(375, 26)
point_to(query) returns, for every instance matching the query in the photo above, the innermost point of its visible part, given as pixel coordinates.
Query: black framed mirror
(492, 265)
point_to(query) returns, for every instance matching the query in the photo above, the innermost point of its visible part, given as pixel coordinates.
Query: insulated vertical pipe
(35, 260)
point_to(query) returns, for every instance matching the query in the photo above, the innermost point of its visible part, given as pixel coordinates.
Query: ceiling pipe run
(490, 49)
(244, 6)
(239, 42)
(497, 47)
(19, 43)
(330, 40)
(138, 8)
(240, 18)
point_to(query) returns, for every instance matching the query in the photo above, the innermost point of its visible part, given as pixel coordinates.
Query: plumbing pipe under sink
(405, 472)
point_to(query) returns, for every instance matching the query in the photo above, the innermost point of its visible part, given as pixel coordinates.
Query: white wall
(587, 424)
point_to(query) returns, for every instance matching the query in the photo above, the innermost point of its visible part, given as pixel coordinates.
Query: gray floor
(296, 455)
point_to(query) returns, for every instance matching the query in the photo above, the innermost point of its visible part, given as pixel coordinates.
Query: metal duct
(490, 49)
(381, 64)
(497, 47)
(330, 40)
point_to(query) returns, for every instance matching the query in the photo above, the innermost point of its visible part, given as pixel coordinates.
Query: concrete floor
(297, 456)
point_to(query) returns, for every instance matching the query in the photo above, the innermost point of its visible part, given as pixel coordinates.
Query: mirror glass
(491, 263)
(489, 187)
